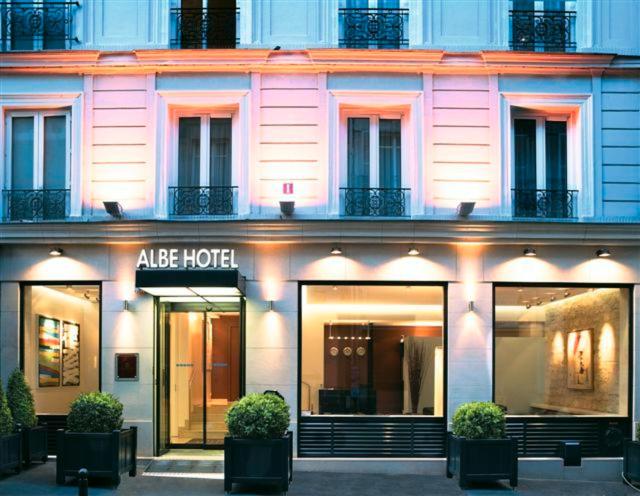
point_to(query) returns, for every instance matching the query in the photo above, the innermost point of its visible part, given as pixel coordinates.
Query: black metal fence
(37, 25)
(374, 28)
(202, 200)
(205, 28)
(545, 203)
(36, 204)
(549, 31)
(374, 202)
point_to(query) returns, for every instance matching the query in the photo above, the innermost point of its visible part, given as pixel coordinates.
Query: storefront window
(61, 330)
(372, 349)
(562, 350)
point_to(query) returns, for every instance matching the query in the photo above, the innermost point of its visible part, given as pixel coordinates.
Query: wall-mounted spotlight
(287, 203)
(271, 305)
(336, 250)
(114, 209)
(465, 208)
(529, 252)
(125, 305)
(603, 253)
(413, 252)
(471, 306)
(56, 252)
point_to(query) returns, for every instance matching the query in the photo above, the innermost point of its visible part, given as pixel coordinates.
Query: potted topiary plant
(95, 439)
(21, 404)
(631, 469)
(478, 450)
(259, 449)
(10, 438)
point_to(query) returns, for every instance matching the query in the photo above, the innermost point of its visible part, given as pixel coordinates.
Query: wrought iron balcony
(37, 25)
(202, 200)
(35, 204)
(374, 28)
(548, 31)
(205, 28)
(374, 202)
(545, 203)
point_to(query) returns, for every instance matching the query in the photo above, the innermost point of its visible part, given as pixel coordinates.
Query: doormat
(194, 469)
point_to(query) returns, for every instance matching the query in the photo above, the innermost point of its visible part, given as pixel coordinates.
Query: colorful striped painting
(48, 352)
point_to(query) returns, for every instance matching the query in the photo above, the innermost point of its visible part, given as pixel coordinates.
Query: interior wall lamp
(603, 253)
(529, 252)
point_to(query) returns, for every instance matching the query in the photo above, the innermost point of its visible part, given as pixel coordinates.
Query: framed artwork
(580, 359)
(48, 352)
(70, 354)
(127, 366)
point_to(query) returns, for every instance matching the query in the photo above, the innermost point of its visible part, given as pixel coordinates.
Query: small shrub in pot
(259, 449)
(22, 405)
(10, 440)
(477, 449)
(95, 412)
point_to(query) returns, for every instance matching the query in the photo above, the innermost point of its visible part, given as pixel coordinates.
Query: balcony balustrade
(36, 25)
(205, 28)
(374, 28)
(545, 203)
(374, 202)
(548, 31)
(36, 204)
(203, 200)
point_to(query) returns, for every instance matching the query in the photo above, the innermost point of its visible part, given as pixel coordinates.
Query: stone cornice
(322, 231)
(312, 60)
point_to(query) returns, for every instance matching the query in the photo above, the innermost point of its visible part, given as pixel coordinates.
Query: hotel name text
(187, 258)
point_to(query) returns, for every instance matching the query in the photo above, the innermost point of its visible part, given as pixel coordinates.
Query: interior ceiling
(84, 292)
(521, 296)
(387, 295)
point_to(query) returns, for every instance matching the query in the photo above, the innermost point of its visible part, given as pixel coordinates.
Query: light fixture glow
(529, 252)
(56, 252)
(603, 253)
(413, 251)
(336, 250)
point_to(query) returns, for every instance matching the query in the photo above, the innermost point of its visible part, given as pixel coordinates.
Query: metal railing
(202, 200)
(545, 203)
(374, 28)
(374, 202)
(549, 31)
(35, 204)
(36, 25)
(205, 28)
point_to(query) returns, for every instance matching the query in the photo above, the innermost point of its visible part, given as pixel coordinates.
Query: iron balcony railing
(205, 28)
(374, 202)
(37, 25)
(374, 28)
(545, 203)
(548, 31)
(203, 200)
(36, 204)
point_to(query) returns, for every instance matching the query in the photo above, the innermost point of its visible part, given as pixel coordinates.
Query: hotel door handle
(178, 364)
(219, 364)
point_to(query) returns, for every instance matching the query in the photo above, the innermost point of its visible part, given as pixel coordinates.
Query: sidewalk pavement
(40, 481)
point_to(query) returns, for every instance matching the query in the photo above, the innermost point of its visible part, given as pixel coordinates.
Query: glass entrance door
(202, 359)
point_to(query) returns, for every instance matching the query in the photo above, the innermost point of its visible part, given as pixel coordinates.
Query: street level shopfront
(374, 346)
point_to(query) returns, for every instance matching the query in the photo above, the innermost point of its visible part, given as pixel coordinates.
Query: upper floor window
(205, 24)
(37, 164)
(37, 25)
(374, 24)
(203, 177)
(374, 167)
(543, 25)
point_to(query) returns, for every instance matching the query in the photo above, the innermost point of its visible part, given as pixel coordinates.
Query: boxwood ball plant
(6, 419)
(20, 400)
(479, 420)
(95, 412)
(258, 416)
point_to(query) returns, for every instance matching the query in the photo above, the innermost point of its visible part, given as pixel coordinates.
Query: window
(543, 25)
(374, 23)
(61, 343)
(562, 350)
(374, 167)
(372, 349)
(204, 172)
(205, 24)
(37, 164)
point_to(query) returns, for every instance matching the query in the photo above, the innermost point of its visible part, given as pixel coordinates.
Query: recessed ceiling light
(603, 253)
(413, 251)
(529, 252)
(56, 252)
(336, 250)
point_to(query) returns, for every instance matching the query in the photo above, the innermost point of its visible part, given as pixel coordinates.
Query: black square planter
(482, 459)
(102, 454)
(11, 452)
(631, 465)
(34, 444)
(258, 461)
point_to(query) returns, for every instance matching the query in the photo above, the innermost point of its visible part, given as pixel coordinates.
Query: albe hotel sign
(187, 258)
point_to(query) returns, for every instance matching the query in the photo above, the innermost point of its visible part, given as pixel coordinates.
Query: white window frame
(580, 135)
(205, 149)
(38, 142)
(73, 104)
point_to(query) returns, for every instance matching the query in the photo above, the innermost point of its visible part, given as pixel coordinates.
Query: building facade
(380, 209)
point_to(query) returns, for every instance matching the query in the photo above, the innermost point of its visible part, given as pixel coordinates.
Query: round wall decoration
(333, 351)
(361, 351)
(347, 351)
